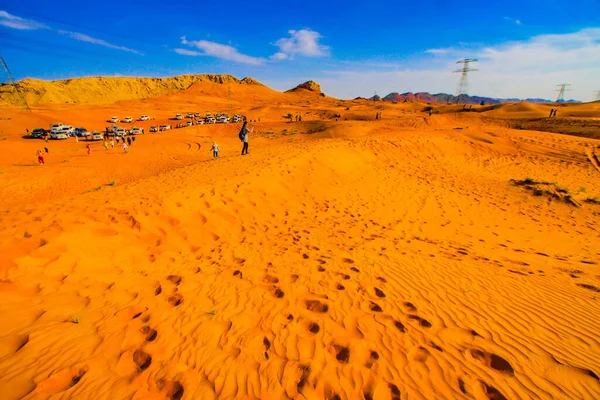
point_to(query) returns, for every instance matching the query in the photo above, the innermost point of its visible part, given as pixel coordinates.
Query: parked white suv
(165, 127)
(128, 120)
(136, 131)
(178, 116)
(114, 119)
(58, 135)
(56, 127)
(144, 118)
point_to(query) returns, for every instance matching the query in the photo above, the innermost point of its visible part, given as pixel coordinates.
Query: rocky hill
(424, 97)
(97, 90)
(310, 86)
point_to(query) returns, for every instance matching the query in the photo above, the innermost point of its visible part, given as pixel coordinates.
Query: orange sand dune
(343, 258)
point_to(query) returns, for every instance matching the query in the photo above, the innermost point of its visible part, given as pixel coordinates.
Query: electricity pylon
(463, 83)
(597, 95)
(7, 79)
(561, 92)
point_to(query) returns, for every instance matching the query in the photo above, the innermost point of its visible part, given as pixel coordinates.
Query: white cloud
(520, 69)
(437, 52)
(513, 20)
(218, 50)
(12, 21)
(303, 42)
(279, 56)
(85, 38)
(186, 52)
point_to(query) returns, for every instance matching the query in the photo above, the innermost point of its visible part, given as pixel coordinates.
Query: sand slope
(377, 260)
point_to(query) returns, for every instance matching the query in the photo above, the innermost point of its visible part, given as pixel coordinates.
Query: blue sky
(525, 48)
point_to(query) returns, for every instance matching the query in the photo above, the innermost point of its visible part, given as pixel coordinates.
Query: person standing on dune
(243, 135)
(125, 150)
(112, 143)
(40, 157)
(89, 149)
(105, 145)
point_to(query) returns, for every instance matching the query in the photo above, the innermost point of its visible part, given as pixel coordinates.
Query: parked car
(67, 130)
(189, 123)
(58, 135)
(197, 115)
(236, 119)
(38, 133)
(81, 132)
(190, 115)
(178, 116)
(56, 127)
(144, 118)
(154, 128)
(165, 127)
(114, 119)
(200, 122)
(121, 132)
(128, 120)
(97, 136)
(135, 131)
(211, 120)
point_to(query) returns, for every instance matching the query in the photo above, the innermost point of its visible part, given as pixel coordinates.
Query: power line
(463, 83)
(561, 92)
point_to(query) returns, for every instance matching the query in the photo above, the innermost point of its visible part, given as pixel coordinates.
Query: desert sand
(343, 258)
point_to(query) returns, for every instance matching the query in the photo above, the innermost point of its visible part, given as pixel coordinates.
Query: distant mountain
(424, 97)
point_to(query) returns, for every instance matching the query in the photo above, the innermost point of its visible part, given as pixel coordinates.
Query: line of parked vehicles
(60, 131)
(197, 119)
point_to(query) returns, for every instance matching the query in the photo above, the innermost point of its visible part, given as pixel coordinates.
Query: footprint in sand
(395, 391)
(175, 300)
(375, 307)
(355, 269)
(492, 361)
(150, 333)
(342, 353)
(316, 306)
(379, 293)
(158, 290)
(142, 360)
(276, 292)
(423, 322)
(313, 328)
(175, 279)
(173, 389)
(374, 356)
(270, 279)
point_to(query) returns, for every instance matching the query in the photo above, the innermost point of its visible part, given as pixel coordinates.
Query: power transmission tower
(597, 95)
(7, 79)
(561, 92)
(463, 83)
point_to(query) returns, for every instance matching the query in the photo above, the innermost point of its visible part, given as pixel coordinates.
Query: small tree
(289, 116)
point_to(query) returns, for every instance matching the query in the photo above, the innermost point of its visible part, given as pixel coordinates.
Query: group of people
(553, 113)
(377, 116)
(243, 136)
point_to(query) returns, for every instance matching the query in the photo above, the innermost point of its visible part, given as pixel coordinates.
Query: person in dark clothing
(555, 110)
(551, 112)
(244, 137)
(128, 141)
